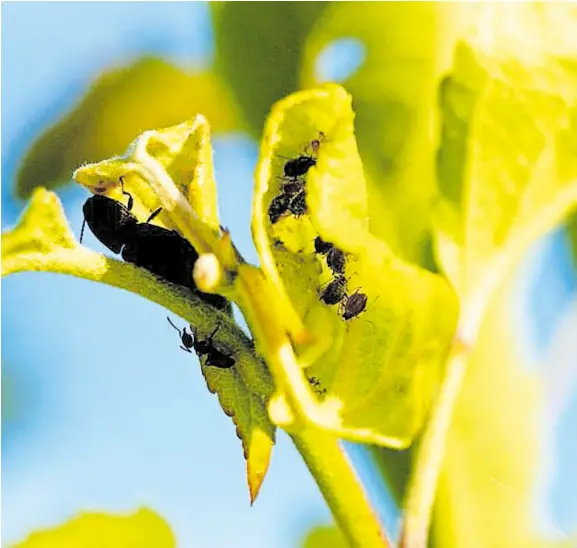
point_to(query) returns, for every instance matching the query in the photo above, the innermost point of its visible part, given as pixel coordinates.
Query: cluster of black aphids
(316, 385)
(292, 198)
(159, 250)
(214, 357)
(336, 291)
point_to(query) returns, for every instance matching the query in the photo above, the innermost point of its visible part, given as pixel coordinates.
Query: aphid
(353, 305)
(290, 189)
(278, 207)
(316, 143)
(322, 247)
(159, 250)
(298, 167)
(298, 205)
(335, 291)
(316, 385)
(214, 357)
(336, 260)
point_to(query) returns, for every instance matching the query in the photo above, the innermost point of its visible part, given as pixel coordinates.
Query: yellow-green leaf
(120, 104)
(508, 172)
(183, 152)
(394, 97)
(143, 529)
(249, 413)
(43, 229)
(381, 369)
(510, 115)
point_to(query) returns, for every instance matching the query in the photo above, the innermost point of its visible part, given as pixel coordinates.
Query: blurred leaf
(382, 369)
(495, 452)
(259, 47)
(323, 536)
(508, 171)
(120, 104)
(406, 48)
(143, 529)
(510, 124)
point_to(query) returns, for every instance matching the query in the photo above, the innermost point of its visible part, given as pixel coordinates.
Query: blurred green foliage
(143, 529)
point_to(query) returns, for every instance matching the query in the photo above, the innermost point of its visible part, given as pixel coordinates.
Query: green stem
(341, 488)
(431, 452)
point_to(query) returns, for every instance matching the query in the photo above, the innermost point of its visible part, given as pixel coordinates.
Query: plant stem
(431, 452)
(327, 461)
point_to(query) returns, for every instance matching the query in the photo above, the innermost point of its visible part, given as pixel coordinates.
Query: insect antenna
(82, 229)
(170, 322)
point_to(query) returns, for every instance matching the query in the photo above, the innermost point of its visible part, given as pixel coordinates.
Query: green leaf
(143, 529)
(120, 104)
(381, 369)
(43, 229)
(249, 413)
(508, 172)
(258, 51)
(394, 99)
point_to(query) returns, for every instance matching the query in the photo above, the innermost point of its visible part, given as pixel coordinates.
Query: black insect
(316, 143)
(316, 385)
(336, 260)
(293, 169)
(353, 305)
(335, 291)
(278, 207)
(290, 189)
(322, 247)
(110, 221)
(298, 205)
(159, 250)
(205, 347)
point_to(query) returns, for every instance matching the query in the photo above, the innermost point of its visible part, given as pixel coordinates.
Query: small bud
(208, 274)
(279, 411)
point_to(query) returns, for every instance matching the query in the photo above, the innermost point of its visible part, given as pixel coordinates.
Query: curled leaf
(382, 368)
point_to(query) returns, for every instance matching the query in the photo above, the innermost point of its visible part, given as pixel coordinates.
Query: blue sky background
(108, 413)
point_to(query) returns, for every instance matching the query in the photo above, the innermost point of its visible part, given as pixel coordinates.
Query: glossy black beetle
(159, 250)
